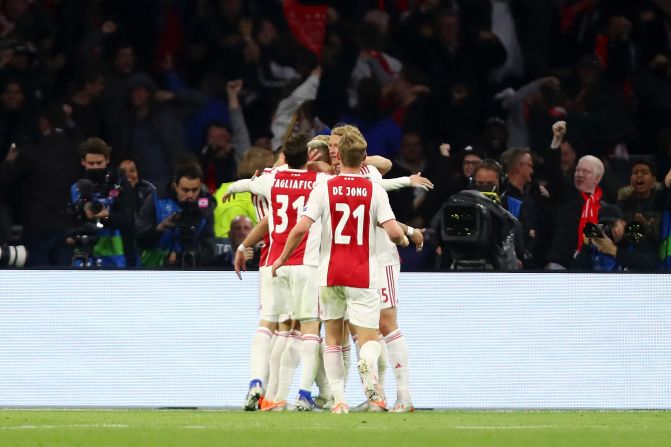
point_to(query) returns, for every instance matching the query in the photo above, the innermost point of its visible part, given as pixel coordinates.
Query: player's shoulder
(370, 171)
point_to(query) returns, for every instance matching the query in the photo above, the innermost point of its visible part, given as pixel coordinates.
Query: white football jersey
(350, 207)
(387, 252)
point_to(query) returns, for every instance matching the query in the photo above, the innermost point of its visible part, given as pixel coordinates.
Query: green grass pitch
(423, 428)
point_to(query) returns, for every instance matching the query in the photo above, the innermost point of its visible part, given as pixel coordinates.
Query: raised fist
(559, 129)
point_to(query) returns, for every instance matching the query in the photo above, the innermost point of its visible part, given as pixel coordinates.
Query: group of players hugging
(329, 259)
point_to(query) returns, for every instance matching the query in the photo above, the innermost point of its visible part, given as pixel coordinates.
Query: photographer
(613, 245)
(175, 226)
(102, 211)
(475, 230)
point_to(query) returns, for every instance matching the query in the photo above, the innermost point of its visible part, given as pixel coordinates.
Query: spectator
(241, 226)
(409, 203)
(153, 135)
(463, 179)
(525, 200)
(225, 145)
(372, 62)
(644, 199)
(255, 160)
(17, 122)
(141, 188)
(86, 110)
(293, 113)
(45, 170)
(382, 133)
(453, 55)
(576, 205)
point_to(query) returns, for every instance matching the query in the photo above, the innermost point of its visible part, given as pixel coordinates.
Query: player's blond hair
(320, 143)
(346, 129)
(352, 147)
(254, 159)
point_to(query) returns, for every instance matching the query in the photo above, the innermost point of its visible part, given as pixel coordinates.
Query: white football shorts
(388, 280)
(297, 287)
(362, 305)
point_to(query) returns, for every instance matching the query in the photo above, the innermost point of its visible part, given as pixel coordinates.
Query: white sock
(346, 359)
(259, 355)
(271, 345)
(333, 363)
(382, 362)
(398, 354)
(274, 364)
(290, 358)
(370, 352)
(320, 379)
(309, 360)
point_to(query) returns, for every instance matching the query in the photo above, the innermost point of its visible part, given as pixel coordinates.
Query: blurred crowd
(505, 96)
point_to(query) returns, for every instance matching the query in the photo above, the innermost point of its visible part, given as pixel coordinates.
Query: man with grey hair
(578, 204)
(526, 201)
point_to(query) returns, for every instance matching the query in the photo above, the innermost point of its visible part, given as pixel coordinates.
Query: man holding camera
(102, 210)
(176, 226)
(613, 245)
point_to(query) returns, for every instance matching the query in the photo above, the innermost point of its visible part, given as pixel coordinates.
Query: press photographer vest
(109, 248)
(169, 240)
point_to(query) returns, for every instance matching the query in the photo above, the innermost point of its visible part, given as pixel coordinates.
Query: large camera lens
(460, 223)
(96, 207)
(592, 230)
(634, 232)
(13, 256)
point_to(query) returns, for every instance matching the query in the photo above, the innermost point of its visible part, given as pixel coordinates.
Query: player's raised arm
(253, 238)
(382, 164)
(256, 185)
(413, 181)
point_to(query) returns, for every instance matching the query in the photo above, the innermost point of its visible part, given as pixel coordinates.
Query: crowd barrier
(477, 340)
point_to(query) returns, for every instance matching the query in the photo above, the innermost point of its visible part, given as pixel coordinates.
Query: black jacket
(45, 171)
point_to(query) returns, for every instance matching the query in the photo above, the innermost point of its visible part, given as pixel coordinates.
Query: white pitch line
(502, 427)
(53, 427)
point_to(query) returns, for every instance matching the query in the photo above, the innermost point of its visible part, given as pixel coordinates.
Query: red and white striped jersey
(387, 252)
(287, 192)
(349, 207)
(261, 206)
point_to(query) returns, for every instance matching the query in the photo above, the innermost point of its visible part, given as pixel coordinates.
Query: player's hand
(314, 154)
(559, 129)
(418, 181)
(277, 264)
(404, 242)
(239, 263)
(418, 239)
(228, 196)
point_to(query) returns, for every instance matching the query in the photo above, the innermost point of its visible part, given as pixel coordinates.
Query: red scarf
(589, 213)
